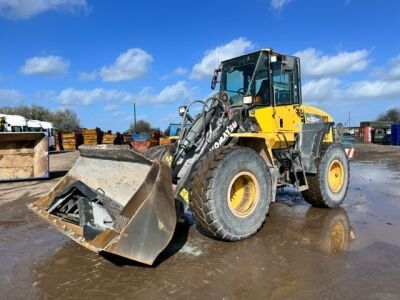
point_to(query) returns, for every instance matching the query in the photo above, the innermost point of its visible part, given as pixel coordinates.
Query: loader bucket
(114, 200)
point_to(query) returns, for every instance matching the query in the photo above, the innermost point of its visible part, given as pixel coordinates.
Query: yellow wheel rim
(243, 194)
(337, 237)
(335, 176)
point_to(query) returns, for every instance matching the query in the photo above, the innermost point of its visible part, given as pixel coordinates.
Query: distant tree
(141, 127)
(392, 115)
(166, 131)
(65, 120)
(34, 112)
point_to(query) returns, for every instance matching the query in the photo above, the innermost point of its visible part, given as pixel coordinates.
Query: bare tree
(141, 127)
(34, 112)
(391, 115)
(65, 120)
(166, 131)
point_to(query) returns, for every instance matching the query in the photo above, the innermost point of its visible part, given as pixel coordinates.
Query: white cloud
(376, 89)
(130, 65)
(117, 113)
(314, 64)
(278, 5)
(85, 97)
(86, 76)
(179, 71)
(394, 71)
(111, 107)
(320, 90)
(213, 57)
(45, 65)
(10, 96)
(171, 93)
(335, 92)
(25, 9)
(180, 91)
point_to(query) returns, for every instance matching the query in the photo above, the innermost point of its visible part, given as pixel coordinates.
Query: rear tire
(329, 186)
(230, 192)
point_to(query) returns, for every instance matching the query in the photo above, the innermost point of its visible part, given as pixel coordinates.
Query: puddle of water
(373, 203)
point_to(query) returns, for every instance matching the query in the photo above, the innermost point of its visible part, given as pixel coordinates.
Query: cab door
(281, 114)
(286, 92)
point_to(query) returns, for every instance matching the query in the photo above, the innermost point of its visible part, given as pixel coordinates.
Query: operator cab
(262, 78)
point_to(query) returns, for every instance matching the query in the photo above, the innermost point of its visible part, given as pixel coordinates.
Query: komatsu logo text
(222, 139)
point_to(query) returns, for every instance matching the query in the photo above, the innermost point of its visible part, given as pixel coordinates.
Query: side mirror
(288, 63)
(182, 110)
(214, 79)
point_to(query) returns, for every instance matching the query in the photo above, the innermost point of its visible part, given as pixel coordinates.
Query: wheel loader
(249, 139)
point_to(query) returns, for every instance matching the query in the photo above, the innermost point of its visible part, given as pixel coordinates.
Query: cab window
(16, 129)
(285, 86)
(282, 87)
(262, 89)
(234, 87)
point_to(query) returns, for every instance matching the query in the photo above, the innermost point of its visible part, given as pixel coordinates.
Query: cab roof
(270, 50)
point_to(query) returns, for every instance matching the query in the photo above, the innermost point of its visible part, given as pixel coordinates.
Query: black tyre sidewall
(332, 199)
(241, 159)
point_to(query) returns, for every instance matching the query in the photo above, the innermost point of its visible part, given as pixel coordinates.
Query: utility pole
(134, 115)
(349, 121)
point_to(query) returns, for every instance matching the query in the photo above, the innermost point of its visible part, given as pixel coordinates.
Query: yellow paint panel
(184, 194)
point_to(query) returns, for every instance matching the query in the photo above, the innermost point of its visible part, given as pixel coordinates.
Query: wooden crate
(23, 156)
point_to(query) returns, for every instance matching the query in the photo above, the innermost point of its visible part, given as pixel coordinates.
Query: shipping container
(395, 134)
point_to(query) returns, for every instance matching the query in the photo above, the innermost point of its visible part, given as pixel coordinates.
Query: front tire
(329, 186)
(230, 192)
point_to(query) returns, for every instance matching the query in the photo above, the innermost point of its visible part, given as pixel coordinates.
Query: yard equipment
(250, 138)
(173, 134)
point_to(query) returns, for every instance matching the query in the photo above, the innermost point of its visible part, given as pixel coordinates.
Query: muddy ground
(352, 252)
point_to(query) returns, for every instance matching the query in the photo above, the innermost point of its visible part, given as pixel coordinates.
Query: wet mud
(352, 252)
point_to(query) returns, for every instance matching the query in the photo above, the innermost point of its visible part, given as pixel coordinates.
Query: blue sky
(94, 56)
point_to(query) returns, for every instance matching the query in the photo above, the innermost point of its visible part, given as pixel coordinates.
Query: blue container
(174, 129)
(140, 136)
(395, 134)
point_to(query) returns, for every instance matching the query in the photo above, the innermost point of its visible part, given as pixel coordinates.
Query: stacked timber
(165, 140)
(127, 138)
(69, 141)
(109, 138)
(92, 136)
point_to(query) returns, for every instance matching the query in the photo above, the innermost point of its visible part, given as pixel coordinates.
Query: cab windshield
(246, 76)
